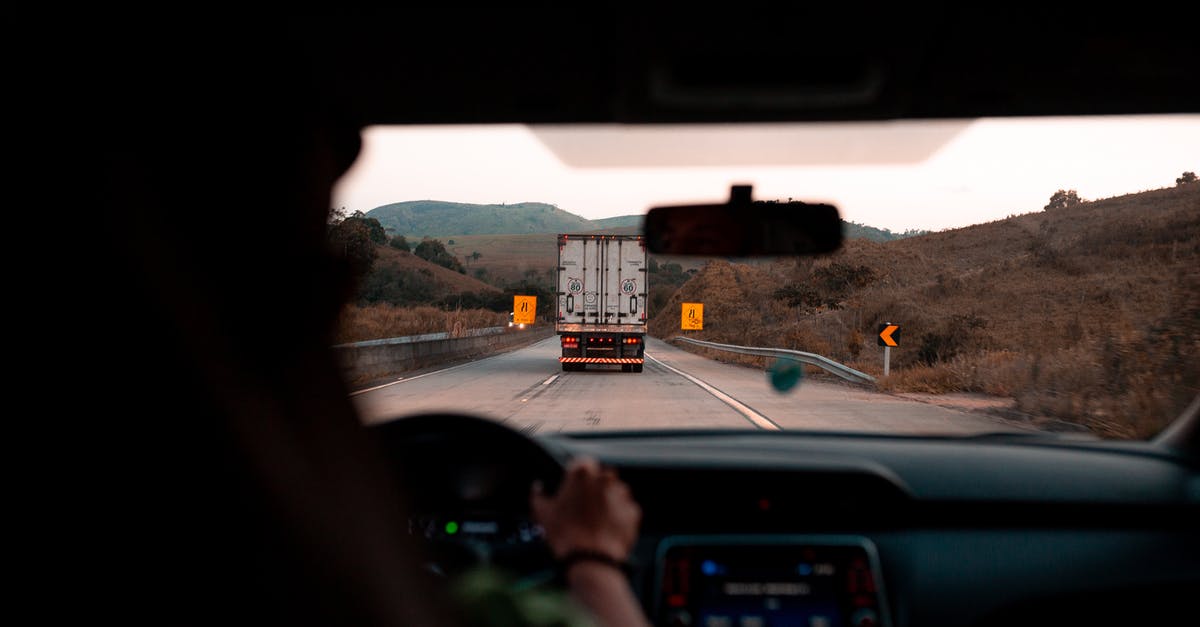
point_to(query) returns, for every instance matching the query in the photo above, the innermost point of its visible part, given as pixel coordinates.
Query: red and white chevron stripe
(601, 360)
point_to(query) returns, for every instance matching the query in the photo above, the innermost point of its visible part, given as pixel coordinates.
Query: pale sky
(895, 175)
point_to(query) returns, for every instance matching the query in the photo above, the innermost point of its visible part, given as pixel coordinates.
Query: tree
(429, 249)
(1187, 179)
(399, 243)
(434, 251)
(374, 229)
(1063, 199)
(351, 240)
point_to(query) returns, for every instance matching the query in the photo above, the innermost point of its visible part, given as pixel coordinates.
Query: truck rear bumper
(563, 327)
(601, 360)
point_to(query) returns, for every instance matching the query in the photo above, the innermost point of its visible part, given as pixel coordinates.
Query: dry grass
(507, 257)
(1089, 314)
(382, 321)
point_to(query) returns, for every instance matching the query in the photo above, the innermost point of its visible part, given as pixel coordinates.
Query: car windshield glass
(1031, 275)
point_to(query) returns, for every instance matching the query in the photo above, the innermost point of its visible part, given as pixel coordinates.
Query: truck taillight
(632, 340)
(570, 341)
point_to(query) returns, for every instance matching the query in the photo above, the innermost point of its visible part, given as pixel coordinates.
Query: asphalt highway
(527, 389)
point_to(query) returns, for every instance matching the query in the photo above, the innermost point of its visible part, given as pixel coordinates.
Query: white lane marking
(377, 387)
(550, 380)
(759, 420)
(406, 380)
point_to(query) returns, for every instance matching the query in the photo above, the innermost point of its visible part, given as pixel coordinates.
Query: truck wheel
(637, 367)
(626, 368)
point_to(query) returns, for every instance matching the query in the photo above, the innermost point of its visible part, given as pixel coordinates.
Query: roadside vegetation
(359, 323)
(1086, 311)
(398, 288)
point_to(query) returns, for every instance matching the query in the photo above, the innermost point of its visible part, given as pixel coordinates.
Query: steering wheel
(468, 481)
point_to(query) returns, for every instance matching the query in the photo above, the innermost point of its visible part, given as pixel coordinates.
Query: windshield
(996, 275)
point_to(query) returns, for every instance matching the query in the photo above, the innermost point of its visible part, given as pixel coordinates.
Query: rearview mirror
(743, 227)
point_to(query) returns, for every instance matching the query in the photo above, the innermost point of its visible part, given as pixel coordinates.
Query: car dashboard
(749, 528)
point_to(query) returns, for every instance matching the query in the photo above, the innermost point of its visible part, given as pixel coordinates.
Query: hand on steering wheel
(592, 512)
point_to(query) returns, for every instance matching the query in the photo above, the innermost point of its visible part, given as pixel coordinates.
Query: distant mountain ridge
(617, 222)
(854, 230)
(438, 218)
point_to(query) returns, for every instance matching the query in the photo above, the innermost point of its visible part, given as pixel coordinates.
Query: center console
(760, 581)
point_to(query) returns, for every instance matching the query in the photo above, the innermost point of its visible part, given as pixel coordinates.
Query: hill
(402, 278)
(435, 218)
(403, 294)
(1077, 313)
(440, 219)
(608, 224)
(516, 242)
(505, 258)
(854, 230)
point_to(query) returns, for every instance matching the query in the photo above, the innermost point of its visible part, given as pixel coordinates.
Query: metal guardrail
(831, 366)
(427, 337)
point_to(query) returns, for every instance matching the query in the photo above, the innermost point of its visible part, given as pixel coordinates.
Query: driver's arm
(592, 523)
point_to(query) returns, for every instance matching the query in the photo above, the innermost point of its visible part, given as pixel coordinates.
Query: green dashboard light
(451, 528)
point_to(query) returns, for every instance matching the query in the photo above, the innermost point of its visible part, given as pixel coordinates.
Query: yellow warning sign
(693, 317)
(524, 309)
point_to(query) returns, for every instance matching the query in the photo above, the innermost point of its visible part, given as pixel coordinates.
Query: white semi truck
(602, 293)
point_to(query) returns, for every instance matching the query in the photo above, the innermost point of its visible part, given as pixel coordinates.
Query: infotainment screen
(768, 581)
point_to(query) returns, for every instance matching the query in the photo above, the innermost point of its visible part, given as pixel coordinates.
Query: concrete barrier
(374, 359)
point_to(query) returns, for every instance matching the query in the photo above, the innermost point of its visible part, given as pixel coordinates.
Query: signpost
(888, 334)
(692, 318)
(524, 309)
